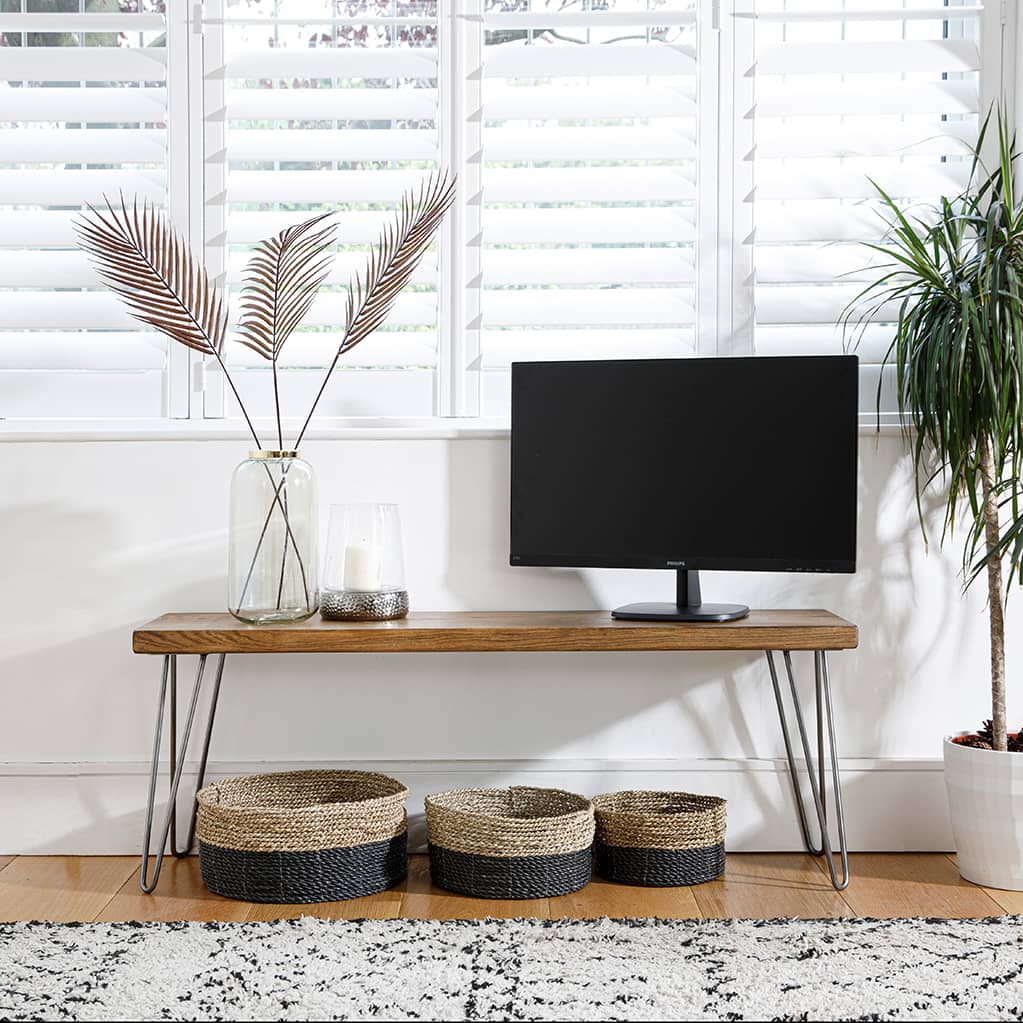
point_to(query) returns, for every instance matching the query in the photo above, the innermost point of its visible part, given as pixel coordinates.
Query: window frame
(194, 388)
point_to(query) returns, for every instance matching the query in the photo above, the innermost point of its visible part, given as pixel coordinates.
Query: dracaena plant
(954, 273)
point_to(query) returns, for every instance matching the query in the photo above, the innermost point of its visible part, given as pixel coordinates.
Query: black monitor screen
(737, 463)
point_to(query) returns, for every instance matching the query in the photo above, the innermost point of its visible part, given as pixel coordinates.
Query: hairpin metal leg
(816, 773)
(168, 687)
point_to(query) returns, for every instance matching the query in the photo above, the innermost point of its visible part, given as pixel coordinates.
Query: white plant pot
(985, 797)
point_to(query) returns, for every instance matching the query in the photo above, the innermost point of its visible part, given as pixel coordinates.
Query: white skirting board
(98, 808)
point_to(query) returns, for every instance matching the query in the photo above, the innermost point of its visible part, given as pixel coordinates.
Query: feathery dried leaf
(392, 262)
(390, 266)
(281, 281)
(147, 264)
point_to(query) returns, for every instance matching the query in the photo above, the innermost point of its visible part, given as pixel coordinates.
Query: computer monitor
(739, 464)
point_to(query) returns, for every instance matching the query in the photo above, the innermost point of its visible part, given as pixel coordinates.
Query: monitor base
(688, 606)
(666, 612)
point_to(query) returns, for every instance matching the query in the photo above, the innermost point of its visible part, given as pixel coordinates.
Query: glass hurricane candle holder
(364, 578)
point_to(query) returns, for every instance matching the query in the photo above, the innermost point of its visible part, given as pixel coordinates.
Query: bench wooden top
(456, 631)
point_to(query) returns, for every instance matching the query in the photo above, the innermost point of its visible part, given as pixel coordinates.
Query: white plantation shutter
(846, 92)
(83, 105)
(589, 153)
(327, 105)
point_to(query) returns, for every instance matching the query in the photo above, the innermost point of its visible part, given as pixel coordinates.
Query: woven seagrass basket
(659, 839)
(517, 843)
(302, 836)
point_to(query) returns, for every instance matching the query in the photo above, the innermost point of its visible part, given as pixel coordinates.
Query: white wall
(98, 537)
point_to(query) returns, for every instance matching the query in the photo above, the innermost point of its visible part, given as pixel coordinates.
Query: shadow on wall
(479, 539)
(74, 587)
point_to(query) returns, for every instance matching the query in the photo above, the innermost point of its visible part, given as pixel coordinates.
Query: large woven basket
(302, 836)
(659, 839)
(517, 843)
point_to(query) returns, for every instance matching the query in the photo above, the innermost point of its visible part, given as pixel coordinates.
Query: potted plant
(955, 276)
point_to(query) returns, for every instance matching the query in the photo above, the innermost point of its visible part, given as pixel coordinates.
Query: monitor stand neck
(688, 606)
(687, 589)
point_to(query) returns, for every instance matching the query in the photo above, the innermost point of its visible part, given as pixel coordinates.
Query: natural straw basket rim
(645, 819)
(518, 821)
(297, 811)
(379, 788)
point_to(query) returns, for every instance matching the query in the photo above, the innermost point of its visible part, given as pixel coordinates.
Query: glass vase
(272, 543)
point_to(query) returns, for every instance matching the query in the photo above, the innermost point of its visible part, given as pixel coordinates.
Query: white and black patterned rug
(514, 970)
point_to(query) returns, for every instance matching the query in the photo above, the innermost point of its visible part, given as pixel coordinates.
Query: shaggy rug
(514, 970)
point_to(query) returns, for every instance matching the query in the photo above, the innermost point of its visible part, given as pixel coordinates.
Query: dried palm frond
(401, 248)
(281, 281)
(149, 266)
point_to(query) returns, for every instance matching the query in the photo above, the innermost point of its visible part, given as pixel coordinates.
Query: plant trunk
(996, 598)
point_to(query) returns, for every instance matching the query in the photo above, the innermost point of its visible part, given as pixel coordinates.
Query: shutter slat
(345, 265)
(827, 339)
(793, 99)
(314, 350)
(590, 306)
(822, 220)
(589, 266)
(877, 137)
(77, 187)
(509, 61)
(298, 145)
(331, 104)
(584, 226)
(596, 184)
(80, 22)
(587, 19)
(823, 303)
(83, 63)
(84, 106)
(896, 12)
(599, 100)
(814, 264)
(378, 62)
(851, 179)
(84, 145)
(858, 58)
(627, 143)
(503, 347)
(65, 350)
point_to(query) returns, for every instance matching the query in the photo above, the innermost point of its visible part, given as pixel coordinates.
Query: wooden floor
(759, 885)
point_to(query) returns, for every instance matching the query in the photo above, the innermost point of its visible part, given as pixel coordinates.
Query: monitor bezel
(681, 560)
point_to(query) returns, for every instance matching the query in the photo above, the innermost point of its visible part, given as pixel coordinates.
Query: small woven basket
(659, 839)
(517, 843)
(302, 836)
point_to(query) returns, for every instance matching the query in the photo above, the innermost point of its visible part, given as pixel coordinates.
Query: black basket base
(510, 877)
(659, 868)
(321, 875)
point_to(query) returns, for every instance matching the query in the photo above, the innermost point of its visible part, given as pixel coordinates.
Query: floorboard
(769, 885)
(602, 898)
(180, 895)
(422, 900)
(913, 884)
(755, 885)
(1011, 902)
(64, 888)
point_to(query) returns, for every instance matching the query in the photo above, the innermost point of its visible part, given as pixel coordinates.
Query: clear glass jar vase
(272, 572)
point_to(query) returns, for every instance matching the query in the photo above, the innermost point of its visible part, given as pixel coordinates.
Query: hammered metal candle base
(356, 606)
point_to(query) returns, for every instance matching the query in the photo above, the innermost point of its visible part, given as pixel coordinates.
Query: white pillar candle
(363, 567)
